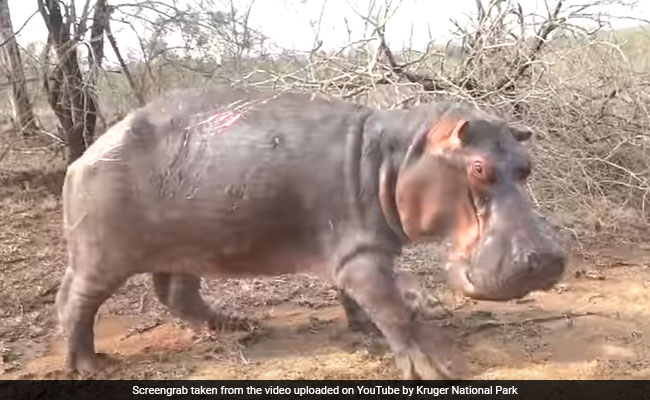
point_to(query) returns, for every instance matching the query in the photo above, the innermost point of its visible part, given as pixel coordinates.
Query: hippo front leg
(358, 318)
(420, 351)
(180, 293)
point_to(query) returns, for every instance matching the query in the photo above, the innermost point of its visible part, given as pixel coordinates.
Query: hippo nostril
(556, 262)
(545, 263)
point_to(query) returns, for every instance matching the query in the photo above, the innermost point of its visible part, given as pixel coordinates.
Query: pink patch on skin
(222, 120)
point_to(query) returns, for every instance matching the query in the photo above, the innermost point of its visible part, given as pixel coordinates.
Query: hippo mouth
(460, 277)
(511, 258)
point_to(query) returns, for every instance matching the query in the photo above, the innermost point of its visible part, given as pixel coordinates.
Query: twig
(7, 40)
(499, 324)
(142, 329)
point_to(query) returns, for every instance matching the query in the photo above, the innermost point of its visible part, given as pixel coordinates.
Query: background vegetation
(583, 87)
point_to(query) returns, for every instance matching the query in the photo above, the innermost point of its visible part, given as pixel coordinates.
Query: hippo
(226, 182)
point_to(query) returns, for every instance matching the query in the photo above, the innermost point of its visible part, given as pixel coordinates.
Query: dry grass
(584, 94)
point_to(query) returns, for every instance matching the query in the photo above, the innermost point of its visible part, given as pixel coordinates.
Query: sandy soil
(594, 325)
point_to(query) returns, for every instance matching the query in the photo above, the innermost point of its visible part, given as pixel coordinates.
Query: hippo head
(464, 176)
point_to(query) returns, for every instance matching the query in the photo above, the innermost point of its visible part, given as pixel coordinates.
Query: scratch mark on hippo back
(219, 121)
(216, 121)
(174, 175)
(202, 125)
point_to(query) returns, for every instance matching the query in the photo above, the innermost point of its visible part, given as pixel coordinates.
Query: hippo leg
(358, 318)
(420, 350)
(180, 293)
(81, 294)
(62, 295)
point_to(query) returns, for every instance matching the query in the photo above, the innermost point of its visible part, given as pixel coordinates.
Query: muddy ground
(594, 325)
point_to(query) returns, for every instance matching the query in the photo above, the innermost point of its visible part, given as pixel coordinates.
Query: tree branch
(125, 68)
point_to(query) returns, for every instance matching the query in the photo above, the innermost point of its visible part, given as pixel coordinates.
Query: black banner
(468, 390)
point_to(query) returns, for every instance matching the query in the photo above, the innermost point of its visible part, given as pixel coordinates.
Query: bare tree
(68, 91)
(564, 77)
(125, 69)
(240, 33)
(216, 34)
(11, 60)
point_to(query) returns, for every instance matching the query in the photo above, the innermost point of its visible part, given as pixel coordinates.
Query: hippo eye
(478, 169)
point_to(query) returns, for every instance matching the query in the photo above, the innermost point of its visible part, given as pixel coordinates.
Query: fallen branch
(138, 330)
(534, 320)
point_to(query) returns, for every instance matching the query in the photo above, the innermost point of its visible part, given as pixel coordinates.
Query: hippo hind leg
(180, 293)
(79, 297)
(62, 295)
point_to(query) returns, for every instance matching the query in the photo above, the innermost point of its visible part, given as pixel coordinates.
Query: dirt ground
(594, 325)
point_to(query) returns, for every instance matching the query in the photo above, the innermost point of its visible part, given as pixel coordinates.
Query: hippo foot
(357, 317)
(416, 365)
(89, 364)
(365, 326)
(437, 361)
(231, 322)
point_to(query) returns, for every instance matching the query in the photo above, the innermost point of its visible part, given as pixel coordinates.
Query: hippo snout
(541, 271)
(505, 267)
(543, 268)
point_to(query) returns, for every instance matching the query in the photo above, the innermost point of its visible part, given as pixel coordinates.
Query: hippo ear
(429, 186)
(447, 134)
(521, 133)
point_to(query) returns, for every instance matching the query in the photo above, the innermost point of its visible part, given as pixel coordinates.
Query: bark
(100, 21)
(68, 93)
(10, 57)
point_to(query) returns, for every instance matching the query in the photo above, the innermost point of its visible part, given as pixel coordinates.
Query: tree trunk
(100, 21)
(68, 93)
(10, 57)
